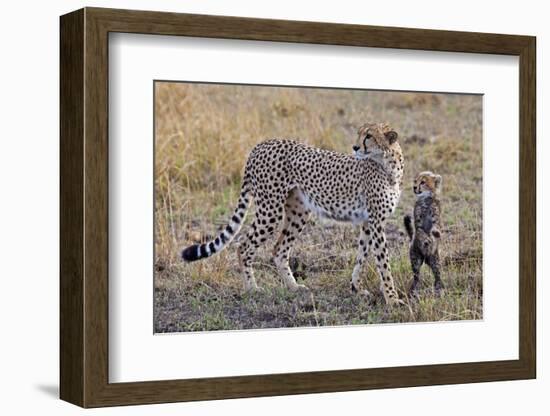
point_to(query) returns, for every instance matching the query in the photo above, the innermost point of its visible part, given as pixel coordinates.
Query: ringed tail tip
(191, 253)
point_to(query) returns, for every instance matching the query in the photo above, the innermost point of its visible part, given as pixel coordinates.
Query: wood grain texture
(96, 207)
(84, 207)
(162, 23)
(527, 207)
(71, 100)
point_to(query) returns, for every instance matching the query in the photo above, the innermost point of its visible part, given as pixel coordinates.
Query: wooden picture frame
(84, 207)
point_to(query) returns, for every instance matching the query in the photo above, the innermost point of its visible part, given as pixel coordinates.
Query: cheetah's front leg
(380, 250)
(362, 252)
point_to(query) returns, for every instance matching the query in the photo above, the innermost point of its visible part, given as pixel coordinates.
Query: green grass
(203, 136)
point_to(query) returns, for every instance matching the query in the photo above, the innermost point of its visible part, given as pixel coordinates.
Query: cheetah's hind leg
(435, 264)
(296, 215)
(263, 227)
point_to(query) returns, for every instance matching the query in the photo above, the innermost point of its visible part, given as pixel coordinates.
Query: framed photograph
(255, 207)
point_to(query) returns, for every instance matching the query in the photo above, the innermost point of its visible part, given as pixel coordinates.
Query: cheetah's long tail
(407, 220)
(201, 251)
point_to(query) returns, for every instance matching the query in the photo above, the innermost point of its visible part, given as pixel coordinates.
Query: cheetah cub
(289, 180)
(426, 233)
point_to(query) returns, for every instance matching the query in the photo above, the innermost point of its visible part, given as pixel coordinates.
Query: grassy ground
(203, 135)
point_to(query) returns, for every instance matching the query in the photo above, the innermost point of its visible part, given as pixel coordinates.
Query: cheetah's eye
(367, 137)
(422, 182)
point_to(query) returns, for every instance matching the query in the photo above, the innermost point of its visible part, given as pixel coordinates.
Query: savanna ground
(203, 134)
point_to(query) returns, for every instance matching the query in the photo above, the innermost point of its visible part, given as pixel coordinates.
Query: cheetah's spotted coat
(289, 180)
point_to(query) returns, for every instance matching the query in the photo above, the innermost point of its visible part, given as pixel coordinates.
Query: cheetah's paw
(298, 288)
(395, 301)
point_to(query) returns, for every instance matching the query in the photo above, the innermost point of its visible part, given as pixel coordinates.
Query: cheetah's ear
(391, 136)
(438, 183)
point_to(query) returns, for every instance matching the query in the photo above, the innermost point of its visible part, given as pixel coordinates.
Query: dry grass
(203, 136)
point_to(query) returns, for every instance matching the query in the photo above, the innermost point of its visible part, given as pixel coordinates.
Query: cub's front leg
(379, 248)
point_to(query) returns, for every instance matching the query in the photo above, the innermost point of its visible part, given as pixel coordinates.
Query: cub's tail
(201, 251)
(407, 220)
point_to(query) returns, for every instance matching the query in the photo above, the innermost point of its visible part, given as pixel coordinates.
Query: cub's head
(427, 182)
(376, 140)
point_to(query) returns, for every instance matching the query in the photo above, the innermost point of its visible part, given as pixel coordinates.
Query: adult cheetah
(289, 180)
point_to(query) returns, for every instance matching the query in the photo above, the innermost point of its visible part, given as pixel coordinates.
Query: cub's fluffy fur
(424, 227)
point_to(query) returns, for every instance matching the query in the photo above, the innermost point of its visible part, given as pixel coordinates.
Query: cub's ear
(438, 182)
(391, 136)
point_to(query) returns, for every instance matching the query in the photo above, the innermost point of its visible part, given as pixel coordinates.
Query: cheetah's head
(376, 140)
(427, 182)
